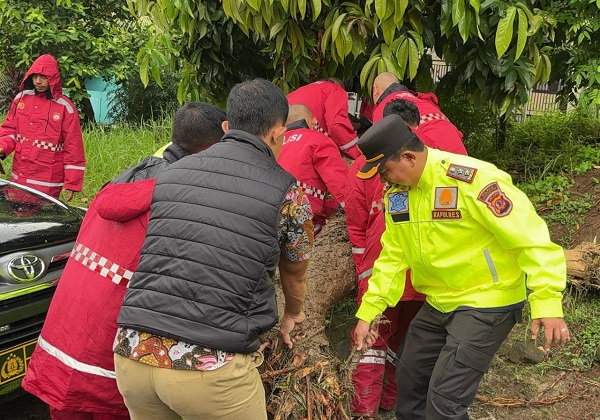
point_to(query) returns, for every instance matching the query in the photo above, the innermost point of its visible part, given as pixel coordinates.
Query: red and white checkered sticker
(311, 190)
(106, 268)
(376, 206)
(432, 117)
(47, 145)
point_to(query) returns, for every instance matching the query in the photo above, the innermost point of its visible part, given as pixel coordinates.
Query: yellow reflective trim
(368, 175)
(379, 156)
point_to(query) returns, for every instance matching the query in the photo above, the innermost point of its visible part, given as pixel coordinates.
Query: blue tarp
(101, 94)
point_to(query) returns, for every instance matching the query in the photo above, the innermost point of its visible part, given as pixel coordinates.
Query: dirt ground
(589, 230)
(553, 394)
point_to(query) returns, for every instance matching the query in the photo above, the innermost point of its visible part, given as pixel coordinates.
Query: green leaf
(547, 69)
(402, 57)
(255, 4)
(380, 8)
(364, 73)
(413, 59)
(418, 40)
(381, 67)
(316, 6)
(325, 39)
(525, 9)
(458, 11)
(389, 30)
(335, 31)
(504, 31)
(464, 26)
(276, 28)
(510, 79)
(522, 33)
(475, 4)
(535, 24)
(302, 8)
(144, 70)
(399, 11)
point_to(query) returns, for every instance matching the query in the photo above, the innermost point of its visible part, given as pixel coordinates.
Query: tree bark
(583, 265)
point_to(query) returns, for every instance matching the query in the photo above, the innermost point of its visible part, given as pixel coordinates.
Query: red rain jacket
(435, 130)
(328, 102)
(319, 169)
(45, 134)
(72, 366)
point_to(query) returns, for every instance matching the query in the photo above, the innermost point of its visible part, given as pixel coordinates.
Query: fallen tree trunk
(583, 266)
(309, 382)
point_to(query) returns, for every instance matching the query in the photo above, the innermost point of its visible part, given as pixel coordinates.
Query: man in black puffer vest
(221, 222)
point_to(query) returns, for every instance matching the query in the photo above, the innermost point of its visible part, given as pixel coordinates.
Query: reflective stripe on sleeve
(44, 184)
(349, 144)
(79, 168)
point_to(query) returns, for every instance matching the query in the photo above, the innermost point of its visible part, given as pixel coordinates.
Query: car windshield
(18, 204)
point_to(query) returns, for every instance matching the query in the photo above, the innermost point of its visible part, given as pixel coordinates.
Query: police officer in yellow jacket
(475, 244)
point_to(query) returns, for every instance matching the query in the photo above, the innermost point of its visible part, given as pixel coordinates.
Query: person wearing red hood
(434, 126)
(328, 102)
(42, 128)
(72, 367)
(316, 163)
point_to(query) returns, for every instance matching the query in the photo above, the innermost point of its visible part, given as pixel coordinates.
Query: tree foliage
(576, 52)
(88, 38)
(498, 48)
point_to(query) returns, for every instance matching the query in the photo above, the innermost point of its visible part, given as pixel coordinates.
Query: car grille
(23, 316)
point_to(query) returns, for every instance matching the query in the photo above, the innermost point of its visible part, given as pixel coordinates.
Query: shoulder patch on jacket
(463, 173)
(496, 200)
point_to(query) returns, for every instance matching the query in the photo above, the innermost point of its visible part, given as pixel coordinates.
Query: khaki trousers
(232, 392)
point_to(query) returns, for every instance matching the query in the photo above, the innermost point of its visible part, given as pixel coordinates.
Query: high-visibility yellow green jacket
(472, 240)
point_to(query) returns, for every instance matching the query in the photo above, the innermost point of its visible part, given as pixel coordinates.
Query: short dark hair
(406, 109)
(197, 125)
(414, 144)
(256, 106)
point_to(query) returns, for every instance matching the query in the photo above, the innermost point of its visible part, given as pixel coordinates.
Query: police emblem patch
(446, 198)
(446, 202)
(496, 200)
(463, 173)
(21, 105)
(56, 116)
(398, 206)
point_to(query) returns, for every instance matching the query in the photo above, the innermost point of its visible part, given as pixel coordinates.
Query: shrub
(550, 143)
(135, 103)
(477, 123)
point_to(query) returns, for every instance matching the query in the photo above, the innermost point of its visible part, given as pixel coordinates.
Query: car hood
(29, 219)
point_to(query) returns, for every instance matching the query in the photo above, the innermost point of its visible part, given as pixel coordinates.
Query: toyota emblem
(26, 268)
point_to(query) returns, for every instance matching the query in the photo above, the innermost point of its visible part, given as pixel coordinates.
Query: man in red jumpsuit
(314, 160)
(328, 103)
(374, 376)
(42, 128)
(435, 130)
(72, 367)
